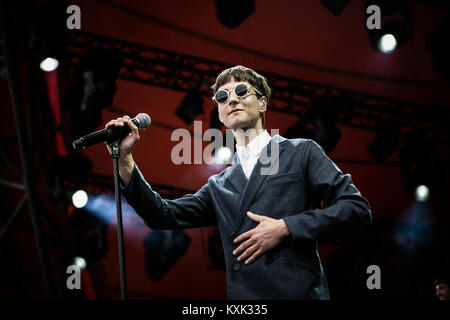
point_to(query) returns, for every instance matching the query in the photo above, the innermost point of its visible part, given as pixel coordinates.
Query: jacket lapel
(256, 178)
(236, 175)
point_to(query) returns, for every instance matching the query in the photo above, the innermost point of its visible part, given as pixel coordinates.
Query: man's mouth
(235, 110)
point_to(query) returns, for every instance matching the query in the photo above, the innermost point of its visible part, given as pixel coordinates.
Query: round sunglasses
(242, 90)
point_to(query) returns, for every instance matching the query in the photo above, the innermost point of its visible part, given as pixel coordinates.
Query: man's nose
(233, 98)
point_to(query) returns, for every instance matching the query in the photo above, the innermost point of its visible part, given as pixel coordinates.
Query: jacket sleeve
(347, 210)
(189, 211)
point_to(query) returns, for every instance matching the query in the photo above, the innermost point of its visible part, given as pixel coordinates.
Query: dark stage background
(152, 54)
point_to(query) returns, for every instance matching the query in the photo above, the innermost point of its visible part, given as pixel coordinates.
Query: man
(441, 285)
(270, 220)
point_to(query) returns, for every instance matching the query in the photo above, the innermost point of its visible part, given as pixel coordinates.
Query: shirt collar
(255, 146)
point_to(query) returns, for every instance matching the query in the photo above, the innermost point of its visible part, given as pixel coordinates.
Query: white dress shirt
(248, 155)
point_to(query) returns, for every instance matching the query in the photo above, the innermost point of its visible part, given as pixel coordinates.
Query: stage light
(49, 64)
(215, 251)
(92, 91)
(163, 248)
(223, 155)
(396, 26)
(46, 33)
(386, 142)
(80, 262)
(89, 236)
(66, 175)
(327, 134)
(319, 123)
(190, 107)
(387, 43)
(420, 165)
(439, 45)
(79, 198)
(413, 231)
(224, 151)
(214, 121)
(422, 193)
(335, 6)
(232, 13)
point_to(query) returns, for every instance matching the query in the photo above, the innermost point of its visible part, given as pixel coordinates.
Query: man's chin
(242, 125)
(238, 125)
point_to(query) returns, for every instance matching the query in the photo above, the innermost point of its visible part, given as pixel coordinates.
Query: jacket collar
(267, 164)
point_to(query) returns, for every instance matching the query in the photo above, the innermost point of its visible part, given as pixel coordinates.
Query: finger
(243, 246)
(249, 252)
(255, 217)
(120, 121)
(116, 123)
(134, 129)
(111, 123)
(130, 123)
(255, 256)
(244, 236)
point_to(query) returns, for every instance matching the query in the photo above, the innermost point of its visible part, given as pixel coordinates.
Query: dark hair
(441, 280)
(241, 73)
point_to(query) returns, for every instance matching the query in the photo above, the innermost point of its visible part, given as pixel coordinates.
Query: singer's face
(239, 113)
(442, 291)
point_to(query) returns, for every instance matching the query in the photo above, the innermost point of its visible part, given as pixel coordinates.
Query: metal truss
(25, 173)
(182, 72)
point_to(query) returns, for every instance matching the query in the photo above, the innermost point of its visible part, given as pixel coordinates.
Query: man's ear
(263, 104)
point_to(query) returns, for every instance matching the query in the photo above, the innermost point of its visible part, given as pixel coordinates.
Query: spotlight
(163, 248)
(419, 165)
(79, 198)
(386, 142)
(215, 250)
(65, 174)
(49, 64)
(224, 149)
(413, 230)
(232, 13)
(46, 34)
(387, 43)
(223, 155)
(92, 91)
(80, 262)
(319, 123)
(89, 237)
(301, 129)
(214, 120)
(422, 193)
(439, 45)
(190, 107)
(335, 6)
(396, 26)
(327, 134)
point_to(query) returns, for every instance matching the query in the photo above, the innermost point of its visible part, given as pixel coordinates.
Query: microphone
(110, 134)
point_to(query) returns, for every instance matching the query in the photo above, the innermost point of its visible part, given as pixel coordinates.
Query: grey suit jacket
(303, 177)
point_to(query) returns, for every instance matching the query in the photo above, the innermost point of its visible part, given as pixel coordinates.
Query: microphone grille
(144, 121)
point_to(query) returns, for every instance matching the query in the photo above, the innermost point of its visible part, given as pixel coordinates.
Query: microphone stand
(115, 156)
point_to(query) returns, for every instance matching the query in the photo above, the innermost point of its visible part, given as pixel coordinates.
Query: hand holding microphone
(126, 162)
(114, 130)
(124, 129)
